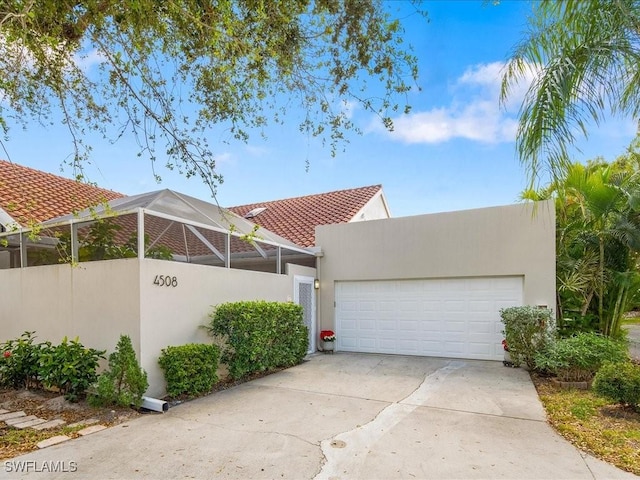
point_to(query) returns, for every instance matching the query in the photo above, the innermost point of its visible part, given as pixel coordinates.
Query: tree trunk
(603, 326)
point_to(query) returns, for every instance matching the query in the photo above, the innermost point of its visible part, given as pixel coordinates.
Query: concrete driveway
(633, 332)
(341, 416)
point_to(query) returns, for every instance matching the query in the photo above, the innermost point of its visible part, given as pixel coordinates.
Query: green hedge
(259, 335)
(69, 367)
(19, 362)
(528, 330)
(578, 358)
(619, 382)
(190, 369)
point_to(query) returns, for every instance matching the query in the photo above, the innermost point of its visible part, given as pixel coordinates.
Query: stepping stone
(49, 424)
(87, 422)
(30, 423)
(91, 429)
(19, 419)
(53, 441)
(6, 416)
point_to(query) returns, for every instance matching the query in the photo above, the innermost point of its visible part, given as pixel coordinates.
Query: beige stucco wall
(98, 301)
(173, 315)
(95, 301)
(496, 241)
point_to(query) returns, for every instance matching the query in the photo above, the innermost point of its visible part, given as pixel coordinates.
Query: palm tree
(598, 238)
(584, 56)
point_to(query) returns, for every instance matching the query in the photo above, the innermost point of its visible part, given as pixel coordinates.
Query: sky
(455, 150)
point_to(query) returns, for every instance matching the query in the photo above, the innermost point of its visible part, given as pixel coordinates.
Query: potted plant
(507, 362)
(328, 337)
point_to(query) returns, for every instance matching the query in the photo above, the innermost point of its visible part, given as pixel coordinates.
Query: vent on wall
(255, 212)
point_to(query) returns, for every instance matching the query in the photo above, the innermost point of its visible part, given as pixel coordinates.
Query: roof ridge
(322, 194)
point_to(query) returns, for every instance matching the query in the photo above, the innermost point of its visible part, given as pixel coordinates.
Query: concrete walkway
(341, 416)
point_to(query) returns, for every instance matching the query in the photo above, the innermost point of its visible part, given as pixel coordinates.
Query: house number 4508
(165, 281)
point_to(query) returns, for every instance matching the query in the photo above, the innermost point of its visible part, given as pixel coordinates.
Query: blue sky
(454, 151)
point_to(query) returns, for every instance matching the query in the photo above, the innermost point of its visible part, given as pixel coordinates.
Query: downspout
(154, 404)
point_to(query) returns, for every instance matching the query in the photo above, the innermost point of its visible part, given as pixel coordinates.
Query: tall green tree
(584, 57)
(598, 240)
(235, 63)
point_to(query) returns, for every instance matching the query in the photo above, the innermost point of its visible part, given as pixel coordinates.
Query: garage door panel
(456, 318)
(454, 348)
(367, 324)
(387, 306)
(367, 342)
(387, 326)
(480, 349)
(348, 305)
(481, 328)
(412, 326)
(455, 327)
(480, 305)
(431, 305)
(454, 306)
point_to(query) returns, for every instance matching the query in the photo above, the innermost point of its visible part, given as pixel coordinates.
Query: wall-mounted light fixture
(316, 284)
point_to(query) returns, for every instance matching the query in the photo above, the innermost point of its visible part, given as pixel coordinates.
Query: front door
(304, 295)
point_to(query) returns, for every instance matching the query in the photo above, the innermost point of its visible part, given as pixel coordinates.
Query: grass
(15, 441)
(593, 424)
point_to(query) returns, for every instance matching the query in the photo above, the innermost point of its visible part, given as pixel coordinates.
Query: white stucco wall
(375, 209)
(496, 241)
(95, 301)
(99, 301)
(173, 315)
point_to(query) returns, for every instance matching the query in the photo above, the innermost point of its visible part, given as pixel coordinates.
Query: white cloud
(348, 108)
(473, 113)
(256, 151)
(84, 61)
(225, 157)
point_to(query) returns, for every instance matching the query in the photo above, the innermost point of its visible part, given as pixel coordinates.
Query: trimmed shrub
(578, 358)
(190, 369)
(619, 382)
(527, 330)
(259, 335)
(125, 382)
(19, 360)
(70, 367)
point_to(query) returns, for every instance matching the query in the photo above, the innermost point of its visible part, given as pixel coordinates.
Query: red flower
(327, 335)
(7, 354)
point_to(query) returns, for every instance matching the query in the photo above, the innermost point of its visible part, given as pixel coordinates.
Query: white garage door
(456, 318)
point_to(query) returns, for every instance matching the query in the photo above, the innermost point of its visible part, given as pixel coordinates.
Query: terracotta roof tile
(30, 195)
(296, 218)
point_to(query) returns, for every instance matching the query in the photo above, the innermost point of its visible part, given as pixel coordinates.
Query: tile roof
(296, 218)
(30, 195)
